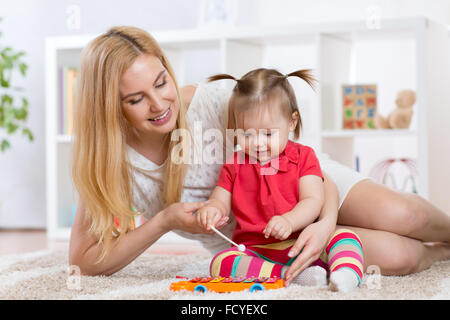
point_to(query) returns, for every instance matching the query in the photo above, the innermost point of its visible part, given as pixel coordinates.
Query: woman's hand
(311, 242)
(181, 216)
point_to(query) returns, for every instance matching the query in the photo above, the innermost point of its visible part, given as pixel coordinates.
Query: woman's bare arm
(329, 212)
(84, 249)
(314, 238)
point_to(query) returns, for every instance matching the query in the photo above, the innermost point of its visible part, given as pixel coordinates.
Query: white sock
(343, 280)
(312, 276)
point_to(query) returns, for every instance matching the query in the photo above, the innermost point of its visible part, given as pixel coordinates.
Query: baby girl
(274, 187)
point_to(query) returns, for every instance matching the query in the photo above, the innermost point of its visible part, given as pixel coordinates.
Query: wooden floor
(23, 241)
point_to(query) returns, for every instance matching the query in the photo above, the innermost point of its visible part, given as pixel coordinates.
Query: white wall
(26, 23)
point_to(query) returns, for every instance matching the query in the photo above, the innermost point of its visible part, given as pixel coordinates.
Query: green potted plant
(13, 105)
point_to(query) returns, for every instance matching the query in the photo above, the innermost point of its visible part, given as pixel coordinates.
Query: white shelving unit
(410, 53)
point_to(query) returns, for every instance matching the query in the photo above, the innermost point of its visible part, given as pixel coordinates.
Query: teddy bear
(400, 117)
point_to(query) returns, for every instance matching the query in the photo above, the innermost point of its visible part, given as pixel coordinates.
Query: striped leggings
(344, 250)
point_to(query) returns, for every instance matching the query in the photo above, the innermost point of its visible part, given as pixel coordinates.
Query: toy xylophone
(227, 284)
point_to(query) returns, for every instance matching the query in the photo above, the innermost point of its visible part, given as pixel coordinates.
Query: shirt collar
(290, 154)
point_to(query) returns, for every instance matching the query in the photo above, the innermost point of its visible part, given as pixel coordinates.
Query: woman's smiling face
(149, 97)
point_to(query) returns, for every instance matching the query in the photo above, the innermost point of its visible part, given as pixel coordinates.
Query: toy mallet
(240, 247)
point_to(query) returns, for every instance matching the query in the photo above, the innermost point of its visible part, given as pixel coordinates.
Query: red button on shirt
(261, 192)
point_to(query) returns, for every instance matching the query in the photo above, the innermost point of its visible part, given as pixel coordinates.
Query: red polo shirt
(261, 192)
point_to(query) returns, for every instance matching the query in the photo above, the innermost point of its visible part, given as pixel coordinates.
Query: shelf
(290, 33)
(367, 133)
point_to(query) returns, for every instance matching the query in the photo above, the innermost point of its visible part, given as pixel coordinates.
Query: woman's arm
(314, 238)
(329, 213)
(84, 249)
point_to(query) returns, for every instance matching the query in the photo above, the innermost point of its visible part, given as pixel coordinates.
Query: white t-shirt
(207, 115)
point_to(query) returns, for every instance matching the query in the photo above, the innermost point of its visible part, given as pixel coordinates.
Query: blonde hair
(264, 85)
(100, 169)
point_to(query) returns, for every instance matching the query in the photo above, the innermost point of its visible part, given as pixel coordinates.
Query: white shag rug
(44, 275)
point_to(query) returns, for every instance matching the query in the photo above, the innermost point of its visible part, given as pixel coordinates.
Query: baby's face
(265, 134)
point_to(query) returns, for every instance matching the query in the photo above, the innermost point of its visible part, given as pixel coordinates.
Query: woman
(132, 121)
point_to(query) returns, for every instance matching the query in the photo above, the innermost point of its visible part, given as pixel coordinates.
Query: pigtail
(306, 75)
(221, 76)
(242, 85)
(263, 85)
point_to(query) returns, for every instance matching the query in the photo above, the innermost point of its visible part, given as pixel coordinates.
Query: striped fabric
(344, 250)
(234, 263)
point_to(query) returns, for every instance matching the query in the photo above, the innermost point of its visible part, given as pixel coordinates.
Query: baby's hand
(211, 216)
(278, 227)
